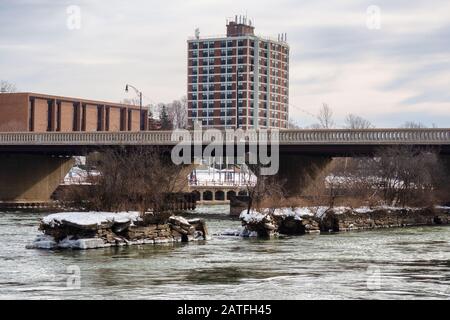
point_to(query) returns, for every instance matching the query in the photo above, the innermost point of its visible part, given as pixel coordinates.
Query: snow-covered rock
(89, 218)
(88, 230)
(251, 216)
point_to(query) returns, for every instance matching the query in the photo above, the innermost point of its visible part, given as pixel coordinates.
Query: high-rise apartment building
(239, 80)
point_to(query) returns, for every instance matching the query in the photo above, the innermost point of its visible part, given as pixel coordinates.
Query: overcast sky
(399, 72)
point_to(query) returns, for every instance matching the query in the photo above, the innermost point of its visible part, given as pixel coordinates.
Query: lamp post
(237, 96)
(139, 93)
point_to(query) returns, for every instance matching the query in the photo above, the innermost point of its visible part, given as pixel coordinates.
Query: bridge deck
(314, 141)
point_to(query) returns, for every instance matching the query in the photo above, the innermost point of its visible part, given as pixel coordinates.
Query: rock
(119, 227)
(269, 226)
(110, 231)
(43, 242)
(179, 230)
(179, 221)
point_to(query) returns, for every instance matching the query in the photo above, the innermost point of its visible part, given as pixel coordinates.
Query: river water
(409, 263)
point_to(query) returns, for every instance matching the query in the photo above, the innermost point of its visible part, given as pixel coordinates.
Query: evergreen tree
(166, 124)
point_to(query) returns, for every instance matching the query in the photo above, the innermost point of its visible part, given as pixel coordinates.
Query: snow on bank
(297, 213)
(319, 212)
(90, 218)
(252, 216)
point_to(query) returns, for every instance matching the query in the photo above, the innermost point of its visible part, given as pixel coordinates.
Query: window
(99, 118)
(50, 109)
(107, 116)
(58, 116)
(123, 114)
(76, 117)
(130, 119)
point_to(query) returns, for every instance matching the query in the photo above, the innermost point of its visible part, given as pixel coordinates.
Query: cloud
(403, 68)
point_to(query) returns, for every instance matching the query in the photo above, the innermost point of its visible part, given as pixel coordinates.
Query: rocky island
(89, 230)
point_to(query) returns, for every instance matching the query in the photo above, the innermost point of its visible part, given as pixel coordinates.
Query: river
(409, 263)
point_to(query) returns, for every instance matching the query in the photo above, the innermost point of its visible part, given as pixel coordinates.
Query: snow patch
(90, 218)
(251, 216)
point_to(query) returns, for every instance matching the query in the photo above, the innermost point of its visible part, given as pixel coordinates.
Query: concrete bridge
(33, 164)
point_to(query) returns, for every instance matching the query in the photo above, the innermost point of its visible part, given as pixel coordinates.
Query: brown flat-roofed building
(33, 112)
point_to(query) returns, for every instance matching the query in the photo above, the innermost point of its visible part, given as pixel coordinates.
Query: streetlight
(139, 93)
(237, 96)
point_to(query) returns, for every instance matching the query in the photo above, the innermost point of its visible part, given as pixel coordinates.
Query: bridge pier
(31, 178)
(445, 190)
(297, 171)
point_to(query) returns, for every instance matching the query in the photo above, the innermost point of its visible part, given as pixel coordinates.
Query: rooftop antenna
(197, 33)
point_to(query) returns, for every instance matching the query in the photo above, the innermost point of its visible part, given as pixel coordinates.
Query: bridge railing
(284, 137)
(366, 136)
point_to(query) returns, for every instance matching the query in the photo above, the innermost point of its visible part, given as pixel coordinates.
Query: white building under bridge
(215, 185)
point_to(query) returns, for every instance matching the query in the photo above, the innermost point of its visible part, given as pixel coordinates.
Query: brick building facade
(239, 80)
(45, 113)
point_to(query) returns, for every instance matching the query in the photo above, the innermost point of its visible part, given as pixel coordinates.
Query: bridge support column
(297, 171)
(445, 160)
(31, 178)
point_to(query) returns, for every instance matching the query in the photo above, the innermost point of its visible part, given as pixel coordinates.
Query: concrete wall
(40, 123)
(31, 178)
(297, 171)
(13, 112)
(66, 116)
(135, 120)
(114, 119)
(91, 118)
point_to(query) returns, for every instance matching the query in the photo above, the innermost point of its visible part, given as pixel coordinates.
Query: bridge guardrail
(285, 137)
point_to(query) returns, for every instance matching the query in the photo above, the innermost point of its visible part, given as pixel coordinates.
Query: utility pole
(237, 94)
(139, 93)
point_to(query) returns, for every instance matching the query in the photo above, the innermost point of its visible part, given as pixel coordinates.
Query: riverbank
(91, 230)
(302, 220)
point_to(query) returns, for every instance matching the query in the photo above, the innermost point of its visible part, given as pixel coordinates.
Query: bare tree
(325, 117)
(293, 124)
(178, 113)
(353, 121)
(7, 87)
(413, 125)
(407, 175)
(267, 192)
(130, 179)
